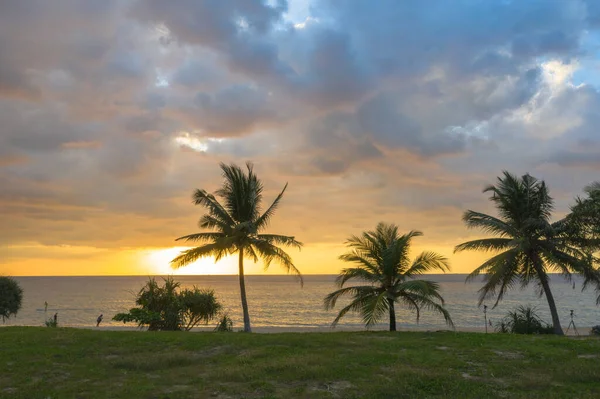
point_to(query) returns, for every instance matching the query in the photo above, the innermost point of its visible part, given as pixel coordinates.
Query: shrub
(595, 330)
(51, 323)
(198, 306)
(523, 320)
(225, 324)
(166, 308)
(11, 297)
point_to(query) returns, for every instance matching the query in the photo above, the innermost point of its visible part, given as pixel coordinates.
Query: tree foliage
(167, 308)
(236, 224)
(582, 224)
(11, 297)
(389, 277)
(524, 320)
(225, 324)
(527, 245)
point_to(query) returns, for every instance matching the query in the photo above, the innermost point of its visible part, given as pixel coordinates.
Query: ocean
(279, 301)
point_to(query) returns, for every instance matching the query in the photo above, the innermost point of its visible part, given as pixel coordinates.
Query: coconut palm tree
(388, 277)
(236, 226)
(527, 245)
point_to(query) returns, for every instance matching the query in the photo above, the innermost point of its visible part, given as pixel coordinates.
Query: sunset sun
(158, 262)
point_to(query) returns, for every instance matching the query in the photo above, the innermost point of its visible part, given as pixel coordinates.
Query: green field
(72, 363)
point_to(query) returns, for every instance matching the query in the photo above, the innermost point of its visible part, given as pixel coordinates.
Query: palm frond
(363, 261)
(411, 304)
(202, 237)
(277, 239)
(518, 199)
(356, 305)
(358, 274)
(487, 244)
(488, 264)
(425, 302)
(399, 250)
(502, 273)
(355, 291)
(419, 287)
(488, 224)
(218, 250)
(269, 253)
(209, 221)
(250, 253)
(426, 262)
(374, 308)
(215, 209)
(241, 192)
(265, 218)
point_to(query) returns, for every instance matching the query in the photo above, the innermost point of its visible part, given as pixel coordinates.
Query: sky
(113, 112)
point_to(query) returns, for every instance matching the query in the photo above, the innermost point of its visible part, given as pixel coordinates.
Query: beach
(583, 331)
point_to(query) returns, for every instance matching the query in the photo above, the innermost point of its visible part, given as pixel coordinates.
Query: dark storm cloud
(236, 29)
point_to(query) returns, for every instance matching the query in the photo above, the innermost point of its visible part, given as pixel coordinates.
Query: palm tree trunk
(243, 292)
(555, 320)
(392, 315)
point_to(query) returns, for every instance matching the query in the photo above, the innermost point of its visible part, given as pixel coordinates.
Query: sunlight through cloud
(197, 144)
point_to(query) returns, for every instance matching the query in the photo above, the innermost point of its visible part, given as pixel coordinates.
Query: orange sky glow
(114, 112)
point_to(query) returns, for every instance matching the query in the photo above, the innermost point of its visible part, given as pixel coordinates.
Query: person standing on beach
(99, 320)
(56, 318)
(45, 306)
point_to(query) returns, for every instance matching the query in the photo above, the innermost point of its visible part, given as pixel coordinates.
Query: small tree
(11, 297)
(166, 308)
(198, 306)
(388, 277)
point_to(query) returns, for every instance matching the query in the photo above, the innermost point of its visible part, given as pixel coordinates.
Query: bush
(11, 297)
(167, 308)
(51, 323)
(523, 320)
(595, 330)
(198, 306)
(225, 324)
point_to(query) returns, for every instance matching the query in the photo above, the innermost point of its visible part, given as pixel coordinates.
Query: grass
(71, 363)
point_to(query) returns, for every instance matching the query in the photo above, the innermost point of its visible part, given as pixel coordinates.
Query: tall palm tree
(527, 245)
(237, 225)
(382, 262)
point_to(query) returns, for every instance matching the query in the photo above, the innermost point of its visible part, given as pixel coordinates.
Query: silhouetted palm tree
(237, 224)
(528, 245)
(382, 262)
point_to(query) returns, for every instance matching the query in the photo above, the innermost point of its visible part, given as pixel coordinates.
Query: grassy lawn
(71, 363)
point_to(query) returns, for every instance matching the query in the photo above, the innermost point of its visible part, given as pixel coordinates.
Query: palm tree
(236, 226)
(381, 259)
(527, 245)
(583, 222)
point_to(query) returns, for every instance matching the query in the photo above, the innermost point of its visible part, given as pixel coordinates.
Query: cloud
(231, 111)
(113, 112)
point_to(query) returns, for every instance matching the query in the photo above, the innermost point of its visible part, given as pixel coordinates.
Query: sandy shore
(291, 329)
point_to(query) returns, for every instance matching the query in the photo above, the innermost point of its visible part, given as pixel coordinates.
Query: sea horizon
(278, 300)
